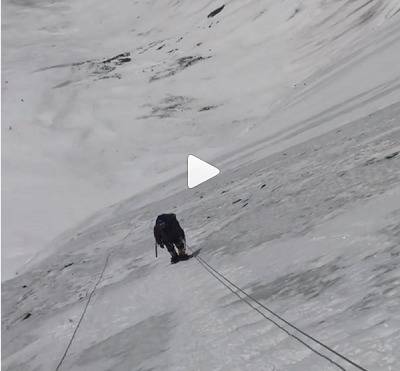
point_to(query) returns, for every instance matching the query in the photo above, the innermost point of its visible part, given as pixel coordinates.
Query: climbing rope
(87, 304)
(83, 313)
(250, 300)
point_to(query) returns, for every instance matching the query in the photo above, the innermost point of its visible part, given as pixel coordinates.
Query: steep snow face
(104, 101)
(311, 231)
(299, 105)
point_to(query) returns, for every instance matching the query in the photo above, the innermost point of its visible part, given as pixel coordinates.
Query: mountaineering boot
(182, 253)
(174, 259)
(180, 245)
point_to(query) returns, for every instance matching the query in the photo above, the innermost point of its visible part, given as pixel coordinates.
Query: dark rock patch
(67, 265)
(26, 316)
(145, 48)
(113, 76)
(109, 65)
(119, 59)
(295, 12)
(61, 85)
(94, 67)
(169, 106)
(207, 108)
(392, 155)
(185, 62)
(179, 65)
(216, 11)
(375, 160)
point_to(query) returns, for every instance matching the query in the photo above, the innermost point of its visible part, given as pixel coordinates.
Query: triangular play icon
(199, 171)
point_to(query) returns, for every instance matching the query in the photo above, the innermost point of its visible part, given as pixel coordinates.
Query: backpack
(168, 230)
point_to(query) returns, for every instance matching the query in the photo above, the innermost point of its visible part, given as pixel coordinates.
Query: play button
(199, 171)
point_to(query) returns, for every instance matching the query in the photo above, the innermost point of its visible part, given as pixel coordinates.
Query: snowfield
(298, 104)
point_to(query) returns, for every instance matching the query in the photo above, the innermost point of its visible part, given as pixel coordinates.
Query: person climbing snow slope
(168, 233)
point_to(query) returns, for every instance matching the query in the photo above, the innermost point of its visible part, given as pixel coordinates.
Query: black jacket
(167, 230)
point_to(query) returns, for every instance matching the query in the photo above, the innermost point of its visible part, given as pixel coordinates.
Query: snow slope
(81, 131)
(297, 102)
(331, 204)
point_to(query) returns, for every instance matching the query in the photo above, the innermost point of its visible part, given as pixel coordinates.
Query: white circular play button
(199, 171)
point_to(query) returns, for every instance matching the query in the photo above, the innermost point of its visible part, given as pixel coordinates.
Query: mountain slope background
(296, 102)
(82, 130)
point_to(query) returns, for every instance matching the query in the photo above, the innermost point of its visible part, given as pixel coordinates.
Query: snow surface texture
(299, 102)
(312, 231)
(103, 102)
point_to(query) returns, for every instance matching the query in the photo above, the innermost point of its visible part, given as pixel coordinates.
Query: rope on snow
(83, 314)
(87, 305)
(250, 300)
